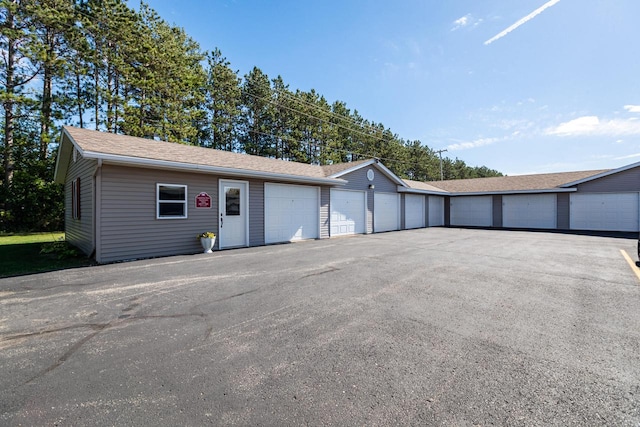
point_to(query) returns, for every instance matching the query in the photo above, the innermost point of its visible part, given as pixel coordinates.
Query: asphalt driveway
(424, 327)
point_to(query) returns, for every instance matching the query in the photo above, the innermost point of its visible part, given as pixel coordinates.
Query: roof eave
(62, 159)
(601, 175)
(165, 164)
(507, 192)
(419, 191)
(378, 164)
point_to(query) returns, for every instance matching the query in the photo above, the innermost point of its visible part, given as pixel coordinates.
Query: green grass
(20, 254)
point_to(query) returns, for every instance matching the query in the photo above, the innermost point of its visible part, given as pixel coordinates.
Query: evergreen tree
(222, 103)
(257, 114)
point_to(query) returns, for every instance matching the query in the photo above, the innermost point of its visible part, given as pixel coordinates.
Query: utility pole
(440, 153)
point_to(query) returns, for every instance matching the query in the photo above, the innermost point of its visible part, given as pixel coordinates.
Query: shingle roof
(103, 143)
(109, 145)
(339, 167)
(546, 181)
(419, 185)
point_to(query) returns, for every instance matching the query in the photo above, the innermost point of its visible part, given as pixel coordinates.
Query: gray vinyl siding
(620, 182)
(447, 211)
(325, 193)
(497, 210)
(562, 210)
(426, 211)
(402, 211)
(79, 232)
(129, 228)
(256, 212)
(357, 180)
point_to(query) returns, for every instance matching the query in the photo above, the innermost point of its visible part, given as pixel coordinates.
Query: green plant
(207, 235)
(60, 249)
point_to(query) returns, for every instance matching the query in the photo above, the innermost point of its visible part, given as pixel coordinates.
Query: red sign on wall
(203, 201)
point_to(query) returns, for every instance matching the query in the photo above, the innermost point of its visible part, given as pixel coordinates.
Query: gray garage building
(128, 197)
(600, 200)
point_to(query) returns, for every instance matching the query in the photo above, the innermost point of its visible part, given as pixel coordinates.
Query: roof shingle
(545, 181)
(141, 148)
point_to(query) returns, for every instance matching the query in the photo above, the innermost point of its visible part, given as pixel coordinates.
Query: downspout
(97, 211)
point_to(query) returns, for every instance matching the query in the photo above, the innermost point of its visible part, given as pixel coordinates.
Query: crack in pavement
(318, 273)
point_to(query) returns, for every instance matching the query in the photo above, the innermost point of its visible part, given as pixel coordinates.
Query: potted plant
(207, 240)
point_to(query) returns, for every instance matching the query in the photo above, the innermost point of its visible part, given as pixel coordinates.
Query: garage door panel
(348, 212)
(386, 215)
(472, 211)
(529, 211)
(291, 213)
(413, 211)
(436, 211)
(604, 211)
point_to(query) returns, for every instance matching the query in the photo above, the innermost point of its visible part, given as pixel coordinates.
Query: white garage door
(529, 211)
(386, 215)
(472, 210)
(604, 211)
(347, 212)
(413, 211)
(436, 211)
(292, 212)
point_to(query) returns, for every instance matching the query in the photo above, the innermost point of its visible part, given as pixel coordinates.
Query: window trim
(75, 198)
(159, 202)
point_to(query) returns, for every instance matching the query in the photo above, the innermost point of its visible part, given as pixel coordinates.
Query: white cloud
(472, 144)
(593, 126)
(521, 21)
(466, 21)
(632, 108)
(461, 22)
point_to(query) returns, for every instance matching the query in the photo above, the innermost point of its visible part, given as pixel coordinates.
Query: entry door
(233, 228)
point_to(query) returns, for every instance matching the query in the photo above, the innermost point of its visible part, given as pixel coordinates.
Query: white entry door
(233, 228)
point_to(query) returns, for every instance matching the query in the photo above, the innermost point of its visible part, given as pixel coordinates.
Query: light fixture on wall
(371, 186)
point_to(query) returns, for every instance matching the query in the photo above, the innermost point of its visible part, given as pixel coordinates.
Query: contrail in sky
(529, 17)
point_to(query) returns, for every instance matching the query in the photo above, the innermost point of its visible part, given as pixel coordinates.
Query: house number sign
(203, 201)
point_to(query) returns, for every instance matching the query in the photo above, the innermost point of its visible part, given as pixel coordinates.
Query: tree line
(102, 65)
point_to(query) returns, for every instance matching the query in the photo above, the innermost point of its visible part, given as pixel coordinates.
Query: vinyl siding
(403, 211)
(325, 193)
(357, 180)
(256, 212)
(129, 228)
(562, 209)
(426, 211)
(497, 210)
(620, 182)
(79, 232)
(447, 211)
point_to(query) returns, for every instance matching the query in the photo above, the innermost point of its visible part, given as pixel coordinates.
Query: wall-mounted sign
(203, 201)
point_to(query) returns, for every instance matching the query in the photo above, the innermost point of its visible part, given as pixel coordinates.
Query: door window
(232, 201)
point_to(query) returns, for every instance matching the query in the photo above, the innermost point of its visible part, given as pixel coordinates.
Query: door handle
(221, 221)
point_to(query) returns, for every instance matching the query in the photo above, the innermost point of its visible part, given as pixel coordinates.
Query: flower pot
(207, 244)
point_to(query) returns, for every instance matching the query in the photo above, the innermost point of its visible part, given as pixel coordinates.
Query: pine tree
(222, 102)
(256, 124)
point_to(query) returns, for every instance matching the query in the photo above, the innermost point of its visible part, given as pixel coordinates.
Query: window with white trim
(171, 201)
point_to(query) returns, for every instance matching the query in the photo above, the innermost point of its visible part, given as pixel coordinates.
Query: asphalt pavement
(424, 327)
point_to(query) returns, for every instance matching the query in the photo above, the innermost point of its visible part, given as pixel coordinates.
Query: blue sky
(526, 86)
